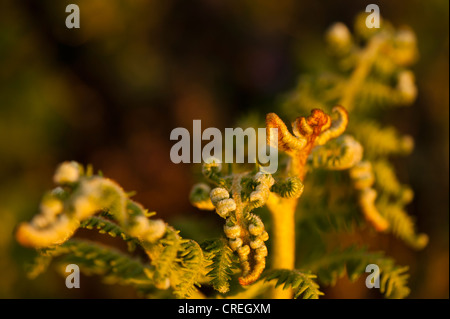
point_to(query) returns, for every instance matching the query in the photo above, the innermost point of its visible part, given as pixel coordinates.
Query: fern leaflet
(302, 283)
(222, 263)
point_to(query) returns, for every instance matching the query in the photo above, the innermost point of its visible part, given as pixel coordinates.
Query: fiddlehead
(339, 154)
(239, 220)
(236, 196)
(316, 129)
(363, 179)
(63, 209)
(79, 196)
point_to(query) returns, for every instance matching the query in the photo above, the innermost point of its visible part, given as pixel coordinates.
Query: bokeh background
(110, 93)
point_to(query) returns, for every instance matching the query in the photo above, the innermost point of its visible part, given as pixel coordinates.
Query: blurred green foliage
(110, 93)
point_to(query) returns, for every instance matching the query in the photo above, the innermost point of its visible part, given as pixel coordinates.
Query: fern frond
(344, 219)
(60, 215)
(98, 259)
(189, 270)
(244, 230)
(353, 261)
(211, 169)
(376, 94)
(302, 283)
(387, 182)
(339, 154)
(105, 226)
(263, 183)
(402, 225)
(394, 283)
(223, 263)
(320, 90)
(381, 141)
(291, 187)
(166, 259)
(38, 265)
(362, 180)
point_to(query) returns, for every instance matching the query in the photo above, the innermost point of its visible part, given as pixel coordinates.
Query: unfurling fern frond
(244, 230)
(79, 197)
(223, 263)
(291, 187)
(302, 283)
(363, 179)
(94, 202)
(339, 154)
(211, 169)
(371, 74)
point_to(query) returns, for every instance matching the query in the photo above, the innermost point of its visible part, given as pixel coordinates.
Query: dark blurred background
(110, 93)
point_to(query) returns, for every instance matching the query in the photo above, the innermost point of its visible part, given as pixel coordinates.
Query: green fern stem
(359, 75)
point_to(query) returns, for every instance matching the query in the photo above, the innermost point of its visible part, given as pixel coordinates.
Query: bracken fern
(336, 176)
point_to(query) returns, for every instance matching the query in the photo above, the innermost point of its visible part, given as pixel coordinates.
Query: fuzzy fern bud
(218, 194)
(261, 194)
(291, 187)
(339, 154)
(199, 197)
(62, 213)
(146, 229)
(405, 47)
(220, 199)
(339, 38)
(211, 168)
(67, 172)
(407, 87)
